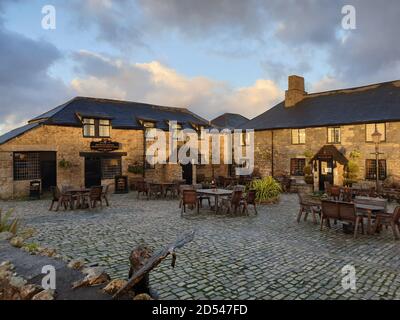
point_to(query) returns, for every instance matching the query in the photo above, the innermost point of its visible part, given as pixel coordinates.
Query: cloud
(26, 88)
(115, 22)
(156, 83)
(368, 54)
(327, 83)
(294, 31)
(199, 18)
(371, 51)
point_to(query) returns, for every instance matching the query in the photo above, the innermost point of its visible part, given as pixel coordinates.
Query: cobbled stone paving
(268, 256)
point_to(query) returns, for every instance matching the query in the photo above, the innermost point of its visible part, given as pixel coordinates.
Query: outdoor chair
(93, 197)
(189, 198)
(182, 188)
(172, 190)
(235, 201)
(329, 210)
(307, 208)
(334, 193)
(202, 197)
(347, 195)
(250, 199)
(133, 183)
(62, 199)
(389, 220)
(347, 212)
(221, 181)
(239, 187)
(155, 190)
(285, 183)
(142, 187)
(104, 194)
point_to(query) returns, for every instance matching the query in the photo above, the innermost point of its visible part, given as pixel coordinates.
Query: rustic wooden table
(216, 193)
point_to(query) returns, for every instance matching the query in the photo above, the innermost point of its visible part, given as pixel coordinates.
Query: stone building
(89, 141)
(328, 129)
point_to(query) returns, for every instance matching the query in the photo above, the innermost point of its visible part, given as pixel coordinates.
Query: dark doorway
(48, 170)
(92, 172)
(325, 172)
(187, 173)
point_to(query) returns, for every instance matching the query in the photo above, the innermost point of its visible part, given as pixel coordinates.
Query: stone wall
(68, 142)
(6, 174)
(352, 138)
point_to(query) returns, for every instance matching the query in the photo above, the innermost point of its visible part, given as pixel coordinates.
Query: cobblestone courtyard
(269, 256)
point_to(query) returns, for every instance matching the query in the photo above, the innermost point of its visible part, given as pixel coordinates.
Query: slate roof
(229, 120)
(123, 114)
(17, 132)
(373, 103)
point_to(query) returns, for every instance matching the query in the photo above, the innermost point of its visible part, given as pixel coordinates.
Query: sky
(211, 56)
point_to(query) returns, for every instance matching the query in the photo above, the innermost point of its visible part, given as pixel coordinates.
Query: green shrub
(31, 247)
(267, 189)
(307, 170)
(8, 224)
(64, 164)
(136, 169)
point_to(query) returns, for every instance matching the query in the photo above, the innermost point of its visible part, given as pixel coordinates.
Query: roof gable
(229, 120)
(17, 132)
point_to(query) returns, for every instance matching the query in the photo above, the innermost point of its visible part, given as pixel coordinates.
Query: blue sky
(212, 56)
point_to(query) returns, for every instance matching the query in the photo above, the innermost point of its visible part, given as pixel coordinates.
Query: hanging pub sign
(104, 145)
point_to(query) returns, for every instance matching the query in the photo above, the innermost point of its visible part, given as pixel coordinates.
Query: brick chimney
(295, 92)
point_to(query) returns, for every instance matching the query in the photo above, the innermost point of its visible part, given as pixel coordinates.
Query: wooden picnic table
(216, 193)
(370, 209)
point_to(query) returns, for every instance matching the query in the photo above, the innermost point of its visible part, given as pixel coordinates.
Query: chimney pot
(296, 91)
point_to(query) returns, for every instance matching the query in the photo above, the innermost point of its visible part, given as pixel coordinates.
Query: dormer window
(96, 128)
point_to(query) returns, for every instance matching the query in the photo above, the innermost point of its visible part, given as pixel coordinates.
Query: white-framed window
(334, 135)
(96, 128)
(104, 128)
(89, 127)
(298, 136)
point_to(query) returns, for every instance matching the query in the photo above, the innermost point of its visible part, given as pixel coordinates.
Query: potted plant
(308, 177)
(136, 168)
(64, 164)
(267, 190)
(352, 169)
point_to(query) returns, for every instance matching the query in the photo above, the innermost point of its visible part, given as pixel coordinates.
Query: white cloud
(157, 83)
(327, 83)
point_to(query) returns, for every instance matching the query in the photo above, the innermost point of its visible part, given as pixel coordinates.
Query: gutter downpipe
(272, 153)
